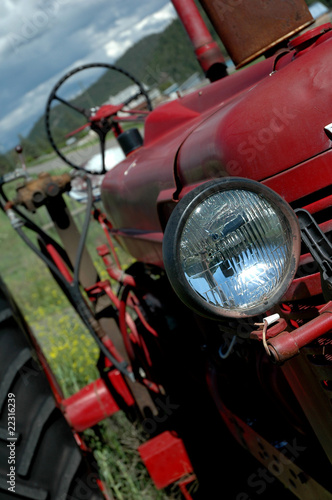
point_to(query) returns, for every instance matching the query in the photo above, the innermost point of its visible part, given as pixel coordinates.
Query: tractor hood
(258, 123)
(272, 126)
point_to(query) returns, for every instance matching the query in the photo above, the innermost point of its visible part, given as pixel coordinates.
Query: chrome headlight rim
(175, 227)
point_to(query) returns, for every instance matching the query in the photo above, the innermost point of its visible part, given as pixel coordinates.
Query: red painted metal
(319, 205)
(120, 386)
(288, 344)
(206, 49)
(128, 322)
(103, 488)
(127, 326)
(250, 124)
(302, 288)
(105, 111)
(166, 459)
(113, 270)
(135, 305)
(307, 39)
(280, 463)
(90, 405)
(94, 402)
(132, 335)
(152, 167)
(299, 181)
(107, 227)
(272, 331)
(244, 125)
(77, 130)
(59, 263)
(308, 285)
(258, 134)
(183, 484)
(80, 441)
(111, 347)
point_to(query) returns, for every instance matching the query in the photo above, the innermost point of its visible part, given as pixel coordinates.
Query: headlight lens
(231, 248)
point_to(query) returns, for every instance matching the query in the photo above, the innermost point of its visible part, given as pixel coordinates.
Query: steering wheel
(72, 104)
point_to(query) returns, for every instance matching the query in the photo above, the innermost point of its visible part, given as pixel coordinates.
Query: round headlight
(231, 248)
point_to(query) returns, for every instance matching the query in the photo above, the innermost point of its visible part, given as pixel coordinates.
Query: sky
(40, 40)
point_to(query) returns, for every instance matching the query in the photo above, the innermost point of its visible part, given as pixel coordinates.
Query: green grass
(65, 150)
(72, 355)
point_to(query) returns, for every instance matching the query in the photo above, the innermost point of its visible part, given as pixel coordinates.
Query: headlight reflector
(231, 248)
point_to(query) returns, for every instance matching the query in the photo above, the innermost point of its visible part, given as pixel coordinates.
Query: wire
(73, 288)
(39, 253)
(81, 307)
(266, 347)
(84, 233)
(269, 320)
(33, 227)
(230, 347)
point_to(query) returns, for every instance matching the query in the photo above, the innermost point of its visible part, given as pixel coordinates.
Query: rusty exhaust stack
(259, 27)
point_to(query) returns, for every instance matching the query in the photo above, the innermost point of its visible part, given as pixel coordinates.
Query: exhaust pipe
(259, 27)
(206, 49)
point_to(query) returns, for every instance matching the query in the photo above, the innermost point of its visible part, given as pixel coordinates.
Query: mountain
(157, 60)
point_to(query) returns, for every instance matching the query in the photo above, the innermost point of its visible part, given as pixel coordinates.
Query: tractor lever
(19, 173)
(34, 193)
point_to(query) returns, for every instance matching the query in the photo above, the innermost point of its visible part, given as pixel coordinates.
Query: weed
(72, 355)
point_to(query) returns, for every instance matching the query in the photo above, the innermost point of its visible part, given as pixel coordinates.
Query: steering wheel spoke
(80, 101)
(82, 111)
(129, 119)
(77, 130)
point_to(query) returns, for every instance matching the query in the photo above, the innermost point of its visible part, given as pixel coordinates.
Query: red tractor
(218, 337)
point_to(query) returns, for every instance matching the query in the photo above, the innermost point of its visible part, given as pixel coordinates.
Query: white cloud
(152, 23)
(115, 49)
(25, 110)
(42, 39)
(157, 19)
